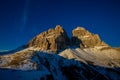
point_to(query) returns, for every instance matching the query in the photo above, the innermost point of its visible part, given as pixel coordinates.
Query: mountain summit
(85, 39)
(52, 39)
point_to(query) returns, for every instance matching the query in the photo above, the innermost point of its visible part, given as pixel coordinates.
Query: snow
(105, 58)
(52, 62)
(78, 28)
(72, 63)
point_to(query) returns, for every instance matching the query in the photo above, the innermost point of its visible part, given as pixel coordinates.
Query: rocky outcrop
(57, 39)
(85, 39)
(53, 39)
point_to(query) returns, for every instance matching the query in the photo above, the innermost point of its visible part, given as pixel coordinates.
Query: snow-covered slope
(94, 56)
(32, 64)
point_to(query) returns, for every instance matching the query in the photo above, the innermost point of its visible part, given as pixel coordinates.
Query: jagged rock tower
(53, 39)
(85, 39)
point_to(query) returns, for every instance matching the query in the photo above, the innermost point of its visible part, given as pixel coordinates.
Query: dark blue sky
(21, 20)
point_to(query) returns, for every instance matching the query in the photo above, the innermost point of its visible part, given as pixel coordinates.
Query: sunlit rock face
(52, 39)
(85, 39)
(57, 39)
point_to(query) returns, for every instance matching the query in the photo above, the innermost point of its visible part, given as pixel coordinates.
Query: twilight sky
(21, 20)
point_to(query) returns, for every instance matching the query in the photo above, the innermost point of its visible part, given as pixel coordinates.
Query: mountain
(91, 49)
(52, 55)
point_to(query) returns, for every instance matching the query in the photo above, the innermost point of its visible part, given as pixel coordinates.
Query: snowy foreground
(32, 64)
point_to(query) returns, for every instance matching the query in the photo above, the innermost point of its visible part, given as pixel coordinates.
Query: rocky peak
(55, 39)
(85, 39)
(52, 39)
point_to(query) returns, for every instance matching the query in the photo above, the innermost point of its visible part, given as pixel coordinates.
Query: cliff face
(53, 39)
(85, 39)
(57, 39)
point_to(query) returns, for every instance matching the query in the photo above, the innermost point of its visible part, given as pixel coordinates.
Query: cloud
(24, 15)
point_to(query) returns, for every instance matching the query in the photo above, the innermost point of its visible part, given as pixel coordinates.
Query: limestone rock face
(85, 39)
(53, 39)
